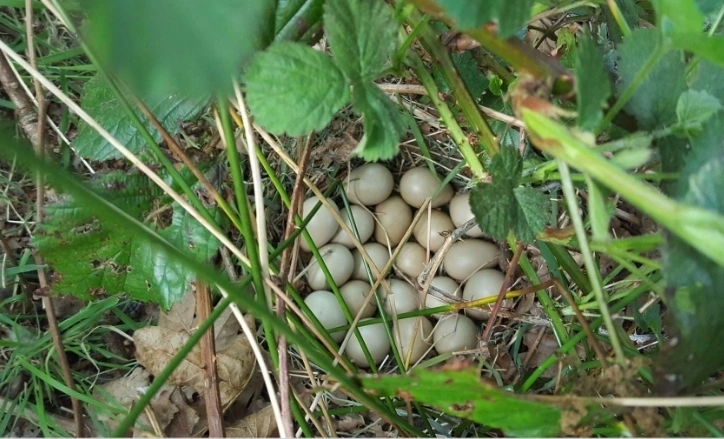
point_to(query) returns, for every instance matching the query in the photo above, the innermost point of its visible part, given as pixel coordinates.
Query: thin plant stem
(591, 268)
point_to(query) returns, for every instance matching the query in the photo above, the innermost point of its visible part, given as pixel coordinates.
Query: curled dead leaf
(259, 424)
(156, 346)
(168, 408)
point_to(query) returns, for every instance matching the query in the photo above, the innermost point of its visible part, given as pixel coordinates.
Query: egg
(363, 220)
(322, 227)
(454, 333)
(375, 338)
(484, 283)
(394, 217)
(339, 262)
(419, 184)
(370, 184)
(429, 229)
(445, 284)
(415, 338)
(404, 297)
(411, 259)
(379, 255)
(326, 308)
(460, 213)
(464, 258)
(354, 294)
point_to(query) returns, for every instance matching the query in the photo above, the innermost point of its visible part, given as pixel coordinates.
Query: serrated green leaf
(704, 46)
(93, 257)
(651, 107)
(463, 394)
(502, 206)
(694, 281)
(100, 103)
(696, 107)
(294, 89)
(532, 213)
(471, 75)
(678, 16)
(632, 158)
(161, 46)
(383, 123)
(593, 86)
(710, 78)
(510, 15)
(362, 35)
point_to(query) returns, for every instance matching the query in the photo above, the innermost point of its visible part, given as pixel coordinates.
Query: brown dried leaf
(183, 423)
(127, 391)
(181, 314)
(350, 423)
(226, 329)
(547, 346)
(259, 424)
(155, 346)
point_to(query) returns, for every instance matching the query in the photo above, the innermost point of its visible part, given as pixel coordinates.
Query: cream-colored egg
(354, 294)
(363, 220)
(394, 217)
(455, 333)
(339, 262)
(404, 297)
(411, 259)
(484, 283)
(322, 226)
(429, 230)
(370, 184)
(445, 284)
(415, 338)
(326, 308)
(460, 213)
(464, 258)
(419, 184)
(375, 338)
(379, 255)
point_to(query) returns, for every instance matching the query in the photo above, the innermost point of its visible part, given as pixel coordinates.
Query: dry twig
(214, 413)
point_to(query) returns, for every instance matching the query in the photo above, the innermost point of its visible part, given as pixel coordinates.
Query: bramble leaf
(706, 47)
(678, 16)
(362, 36)
(503, 205)
(510, 15)
(462, 393)
(694, 108)
(651, 107)
(93, 257)
(161, 46)
(100, 103)
(593, 86)
(694, 281)
(294, 89)
(383, 123)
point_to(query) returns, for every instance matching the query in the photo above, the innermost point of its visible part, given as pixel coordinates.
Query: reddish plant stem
(503, 288)
(214, 412)
(286, 274)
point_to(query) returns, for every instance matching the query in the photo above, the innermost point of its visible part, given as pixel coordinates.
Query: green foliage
(99, 101)
(464, 394)
(503, 205)
(280, 73)
(382, 122)
(694, 295)
(362, 37)
(652, 107)
(510, 15)
(297, 20)
(680, 16)
(694, 108)
(163, 46)
(94, 257)
(294, 91)
(593, 86)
